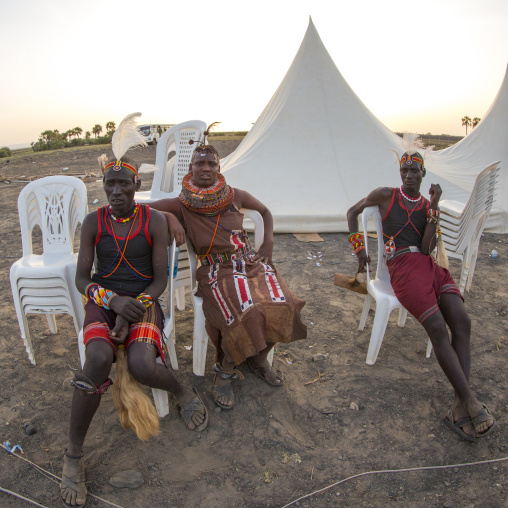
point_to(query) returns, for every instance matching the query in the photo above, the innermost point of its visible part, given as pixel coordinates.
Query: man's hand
(120, 331)
(362, 260)
(129, 308)
(435, 194)
(176, 231)
(264, 253)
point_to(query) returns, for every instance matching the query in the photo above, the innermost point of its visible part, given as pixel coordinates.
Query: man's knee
(435, 327)
(141, 366)
(99, 359)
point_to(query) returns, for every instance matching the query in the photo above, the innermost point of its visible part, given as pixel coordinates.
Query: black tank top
(406, 226)
(111, 271)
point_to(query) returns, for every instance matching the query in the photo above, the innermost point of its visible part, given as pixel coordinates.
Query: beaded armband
(356, 240)
(432, 216)
(145, 299)
(99, 295)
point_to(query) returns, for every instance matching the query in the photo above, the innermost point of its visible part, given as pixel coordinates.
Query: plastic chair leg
(402, 317)
(170, 344)
(378, 331)
(270, 355)
(200, 342)
(180, 298)
(366, 307)
(429, 349)
(52, 323)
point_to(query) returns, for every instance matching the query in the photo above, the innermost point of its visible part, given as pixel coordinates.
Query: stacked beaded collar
(206, 200)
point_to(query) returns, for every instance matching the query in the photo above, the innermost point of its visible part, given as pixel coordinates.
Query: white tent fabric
(315, 150)
(462, 162)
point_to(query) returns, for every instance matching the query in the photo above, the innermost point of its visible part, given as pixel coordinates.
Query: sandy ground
(332, 419)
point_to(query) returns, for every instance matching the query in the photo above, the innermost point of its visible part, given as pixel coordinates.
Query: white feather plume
(148, 168)
(411, 143)
(126, 136)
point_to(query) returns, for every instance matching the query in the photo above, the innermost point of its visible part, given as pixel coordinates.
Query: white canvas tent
(315, 150)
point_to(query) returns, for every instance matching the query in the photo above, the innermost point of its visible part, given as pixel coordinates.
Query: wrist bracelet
(99, 295)
(145, 299)
(356, 240)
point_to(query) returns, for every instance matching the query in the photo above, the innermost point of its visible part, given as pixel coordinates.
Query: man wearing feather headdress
(423, 287)
(122, 316)
(247, 305)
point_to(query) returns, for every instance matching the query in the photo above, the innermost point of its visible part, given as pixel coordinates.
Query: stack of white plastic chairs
(44, 283)
(462, 224)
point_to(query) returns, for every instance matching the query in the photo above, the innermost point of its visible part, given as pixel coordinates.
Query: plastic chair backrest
(382, 270)
(57, 204)
(176, 139)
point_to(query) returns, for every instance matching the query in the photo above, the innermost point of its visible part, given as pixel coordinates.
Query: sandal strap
(233, 375)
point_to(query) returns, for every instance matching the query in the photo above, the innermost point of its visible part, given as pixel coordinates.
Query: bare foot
(196, 410)
(261, 367)
(73, 489)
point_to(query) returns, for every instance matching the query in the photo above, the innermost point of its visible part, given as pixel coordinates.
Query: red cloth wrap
(418, 282)
(99, 321)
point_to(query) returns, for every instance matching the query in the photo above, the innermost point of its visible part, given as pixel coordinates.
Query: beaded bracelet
(99, 295)
(145, 299)
(432, 216)
(356, 240)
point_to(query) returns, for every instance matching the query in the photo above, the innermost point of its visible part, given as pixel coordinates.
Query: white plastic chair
(200, 341)
(160, 397)
(44, 284)
(168, 181)
(380, 290)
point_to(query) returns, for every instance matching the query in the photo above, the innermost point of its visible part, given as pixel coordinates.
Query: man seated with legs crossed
(423, 287)
(130, 246)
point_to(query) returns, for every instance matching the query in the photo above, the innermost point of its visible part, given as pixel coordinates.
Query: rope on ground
(21, 497)
(53, 478)
(422, 468)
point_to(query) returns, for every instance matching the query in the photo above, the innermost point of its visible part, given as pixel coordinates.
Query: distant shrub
(5, 152)
(104, 140)
(75, 142)
(240, 133)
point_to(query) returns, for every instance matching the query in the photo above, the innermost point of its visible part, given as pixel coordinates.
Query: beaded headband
(409, 159)
(117, 165)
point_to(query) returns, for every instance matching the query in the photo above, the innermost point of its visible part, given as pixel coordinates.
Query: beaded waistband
(403, 250)
(242, 252)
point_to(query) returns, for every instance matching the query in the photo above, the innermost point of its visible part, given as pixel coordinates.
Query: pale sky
(417, 65)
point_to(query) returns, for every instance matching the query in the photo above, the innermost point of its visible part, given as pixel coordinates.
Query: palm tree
(77, 131)
(96, 129)
(467, 122)
(88, 135)
(476, 121)
(110, 126)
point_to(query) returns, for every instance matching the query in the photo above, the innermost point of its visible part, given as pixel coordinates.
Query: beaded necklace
(123, 219)
(412, 200)
(209, 201)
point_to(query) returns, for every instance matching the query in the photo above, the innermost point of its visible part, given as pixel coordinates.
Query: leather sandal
(227, 389)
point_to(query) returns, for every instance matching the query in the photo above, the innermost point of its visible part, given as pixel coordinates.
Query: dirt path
(333, 418)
